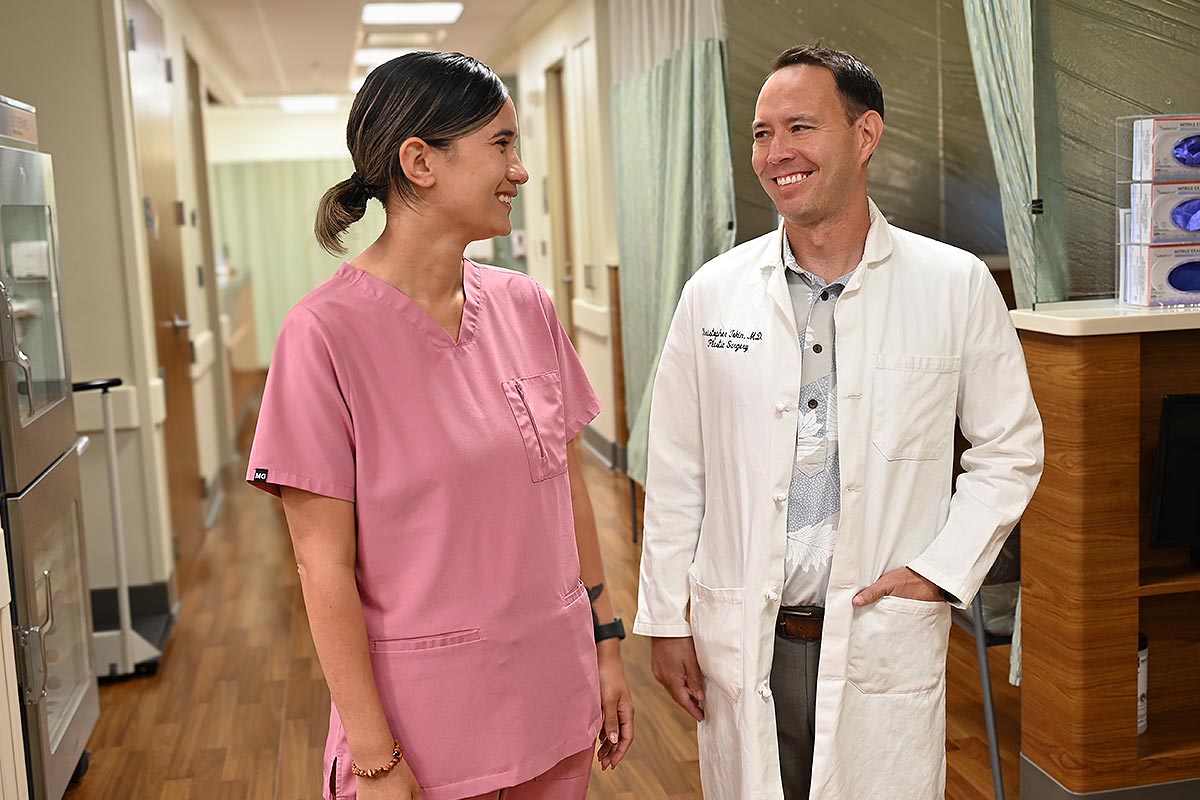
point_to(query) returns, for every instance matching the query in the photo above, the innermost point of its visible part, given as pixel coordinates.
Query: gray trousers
(794, 687)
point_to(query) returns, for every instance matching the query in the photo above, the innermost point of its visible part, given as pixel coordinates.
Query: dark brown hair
(437, 97)
(857, 85)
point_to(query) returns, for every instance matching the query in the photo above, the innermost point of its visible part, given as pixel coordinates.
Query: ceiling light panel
(372, 57)
(403, 38)
(411, 13)
(309, 103)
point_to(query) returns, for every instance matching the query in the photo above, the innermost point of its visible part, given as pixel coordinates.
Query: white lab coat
(922, 334)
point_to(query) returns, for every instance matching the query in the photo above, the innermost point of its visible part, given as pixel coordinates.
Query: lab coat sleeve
(674, 483)
(997, 415)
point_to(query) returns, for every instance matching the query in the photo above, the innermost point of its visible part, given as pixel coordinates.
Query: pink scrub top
(454, 455)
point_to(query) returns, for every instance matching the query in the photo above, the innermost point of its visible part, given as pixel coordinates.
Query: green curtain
(264, 213)
(1000, 33)
(675, 181)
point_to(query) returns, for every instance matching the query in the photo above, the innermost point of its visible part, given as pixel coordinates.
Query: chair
(990, 621)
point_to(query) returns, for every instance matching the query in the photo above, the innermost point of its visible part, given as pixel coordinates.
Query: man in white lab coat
(802, 543)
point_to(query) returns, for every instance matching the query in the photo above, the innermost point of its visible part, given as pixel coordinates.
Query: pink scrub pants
(566, 780)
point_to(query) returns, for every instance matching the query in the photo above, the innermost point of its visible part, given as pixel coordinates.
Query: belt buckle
(804, 623)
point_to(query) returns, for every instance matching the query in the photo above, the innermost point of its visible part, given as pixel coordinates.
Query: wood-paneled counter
(1090, 583)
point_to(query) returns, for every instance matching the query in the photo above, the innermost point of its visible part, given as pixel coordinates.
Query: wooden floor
(239, 709)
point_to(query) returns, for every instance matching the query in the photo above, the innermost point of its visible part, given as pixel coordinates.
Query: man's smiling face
(807, 155)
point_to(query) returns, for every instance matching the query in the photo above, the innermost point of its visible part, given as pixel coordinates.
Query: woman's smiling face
(478, 176)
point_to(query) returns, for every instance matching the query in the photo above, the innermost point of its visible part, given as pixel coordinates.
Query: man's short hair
(859, 89)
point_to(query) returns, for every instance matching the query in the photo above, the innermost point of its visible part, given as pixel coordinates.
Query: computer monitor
(1175, 506)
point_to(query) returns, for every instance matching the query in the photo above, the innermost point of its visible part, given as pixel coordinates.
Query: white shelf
(1102, 317)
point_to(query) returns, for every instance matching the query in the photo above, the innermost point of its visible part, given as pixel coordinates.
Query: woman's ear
(415, 161)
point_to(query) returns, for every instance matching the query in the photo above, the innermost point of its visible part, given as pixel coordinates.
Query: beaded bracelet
(397, 754)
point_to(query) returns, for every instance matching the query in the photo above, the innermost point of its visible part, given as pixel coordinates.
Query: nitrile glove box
(1166, 149)
(1168, 275)
(1165, 213)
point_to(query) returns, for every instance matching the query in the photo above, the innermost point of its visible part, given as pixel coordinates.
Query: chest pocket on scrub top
(537, 408)
(914, 405)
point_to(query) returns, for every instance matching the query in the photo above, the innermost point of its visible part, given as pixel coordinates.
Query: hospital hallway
(238, 709)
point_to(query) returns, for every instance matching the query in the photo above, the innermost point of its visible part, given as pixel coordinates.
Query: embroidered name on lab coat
(735, 340)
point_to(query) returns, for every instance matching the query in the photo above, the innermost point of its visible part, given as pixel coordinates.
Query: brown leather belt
(800, 622)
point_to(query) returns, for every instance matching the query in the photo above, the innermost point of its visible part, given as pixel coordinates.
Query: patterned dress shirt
(814, 497)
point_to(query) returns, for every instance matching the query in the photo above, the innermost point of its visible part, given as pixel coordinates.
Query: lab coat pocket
(716, 620)
(898, 646)
(915, 398)
(537, 407)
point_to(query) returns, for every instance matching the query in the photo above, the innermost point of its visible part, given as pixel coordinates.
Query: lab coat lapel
(771, 269)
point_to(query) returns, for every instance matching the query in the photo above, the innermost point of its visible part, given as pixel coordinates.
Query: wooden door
(150, 77)
(558, 200)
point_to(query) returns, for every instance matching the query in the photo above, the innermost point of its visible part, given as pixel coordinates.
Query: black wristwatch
(611, 630)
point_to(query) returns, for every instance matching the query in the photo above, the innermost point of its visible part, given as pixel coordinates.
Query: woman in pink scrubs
(418, 422)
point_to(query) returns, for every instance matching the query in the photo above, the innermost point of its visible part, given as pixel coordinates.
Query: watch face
(611, 630)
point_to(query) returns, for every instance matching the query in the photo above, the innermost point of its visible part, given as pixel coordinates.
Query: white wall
(576, 37)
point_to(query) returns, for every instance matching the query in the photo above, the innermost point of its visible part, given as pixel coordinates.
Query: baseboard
(144, 601)
(621, 458)
(248, 410)
(214, 498)
(1036, 784)
(611, 453)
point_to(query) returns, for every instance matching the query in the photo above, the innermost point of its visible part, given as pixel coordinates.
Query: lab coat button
(773, 594)
(764, 690)
(780, 495)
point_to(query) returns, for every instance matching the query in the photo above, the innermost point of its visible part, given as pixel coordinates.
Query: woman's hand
(398, 783)
(617, 731)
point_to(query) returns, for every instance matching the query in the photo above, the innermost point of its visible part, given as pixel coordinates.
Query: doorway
(557, 196)
(150, 76)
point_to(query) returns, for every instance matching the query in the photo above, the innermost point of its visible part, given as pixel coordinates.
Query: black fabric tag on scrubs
(260, 475)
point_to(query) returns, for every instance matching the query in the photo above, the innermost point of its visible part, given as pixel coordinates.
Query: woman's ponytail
(342, 206)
